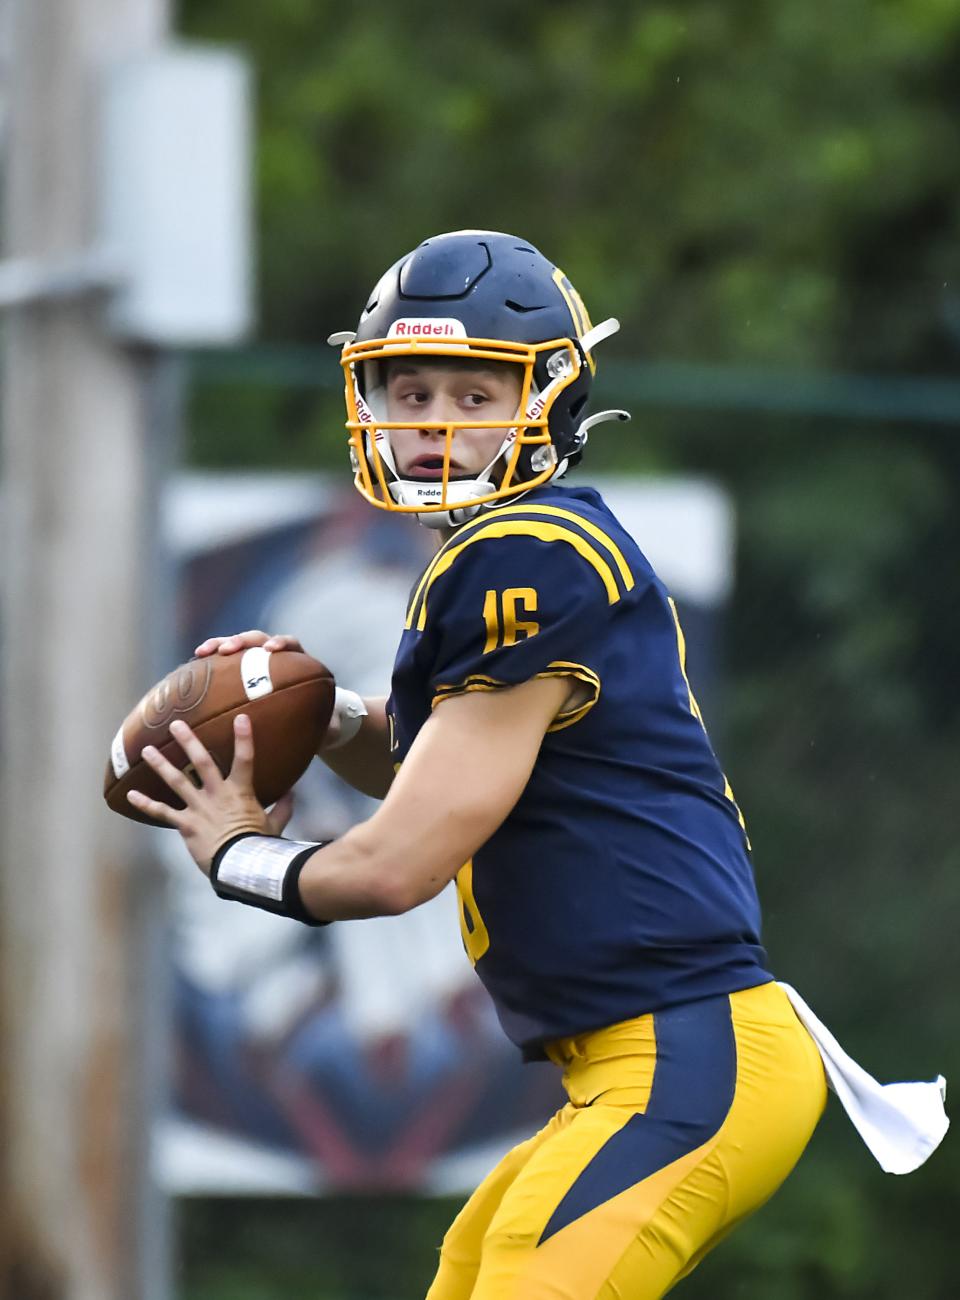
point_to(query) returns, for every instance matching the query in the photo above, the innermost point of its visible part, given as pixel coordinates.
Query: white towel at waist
(901, 1123)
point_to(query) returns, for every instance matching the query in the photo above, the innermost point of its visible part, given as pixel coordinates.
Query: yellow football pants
(679, 1125)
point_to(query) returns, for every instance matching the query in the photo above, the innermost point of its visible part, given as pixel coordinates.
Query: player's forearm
(411, 847)
(363, 875)
(365, 761)
(400, 857)
(461, 778)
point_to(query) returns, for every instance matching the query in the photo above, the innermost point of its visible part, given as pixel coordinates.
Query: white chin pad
(420, 492)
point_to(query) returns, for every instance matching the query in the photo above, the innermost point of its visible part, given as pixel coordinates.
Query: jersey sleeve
(513, 601)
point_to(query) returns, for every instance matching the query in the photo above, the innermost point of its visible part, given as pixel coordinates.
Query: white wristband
(264, 871)
(349, 711)
(258, 865)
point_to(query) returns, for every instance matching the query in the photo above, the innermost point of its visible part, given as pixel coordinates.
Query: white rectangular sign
(176, 195)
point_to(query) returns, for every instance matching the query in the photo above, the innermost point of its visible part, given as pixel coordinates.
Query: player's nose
(439, 409)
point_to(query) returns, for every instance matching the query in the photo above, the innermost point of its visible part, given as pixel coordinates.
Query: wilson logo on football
(422, 328)
(179, 692)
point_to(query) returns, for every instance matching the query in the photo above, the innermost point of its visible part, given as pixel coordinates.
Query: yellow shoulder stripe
(425, 577)
(522, 528)
(593, 531)
(454, 546)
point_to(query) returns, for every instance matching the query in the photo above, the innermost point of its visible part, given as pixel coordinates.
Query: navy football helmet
(484, 297)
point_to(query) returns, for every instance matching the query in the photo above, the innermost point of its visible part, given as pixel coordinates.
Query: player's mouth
(431, 467)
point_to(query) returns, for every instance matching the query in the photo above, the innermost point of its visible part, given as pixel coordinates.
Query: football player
(542, 746)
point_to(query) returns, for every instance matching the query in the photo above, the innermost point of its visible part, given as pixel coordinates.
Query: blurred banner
(364, 1056)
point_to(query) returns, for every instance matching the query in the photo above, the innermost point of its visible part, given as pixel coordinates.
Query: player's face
(448, 392)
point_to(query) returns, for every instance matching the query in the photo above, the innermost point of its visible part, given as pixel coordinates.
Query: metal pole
(73, 884)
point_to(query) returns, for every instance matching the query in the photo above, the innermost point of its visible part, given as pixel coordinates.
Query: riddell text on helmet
(436, 327)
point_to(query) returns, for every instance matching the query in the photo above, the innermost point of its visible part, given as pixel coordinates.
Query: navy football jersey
(621, 882)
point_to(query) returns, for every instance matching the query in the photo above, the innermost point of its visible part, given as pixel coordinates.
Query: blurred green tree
(722, 176)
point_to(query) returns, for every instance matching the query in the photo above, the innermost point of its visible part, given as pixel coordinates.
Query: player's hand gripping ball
(287, 695)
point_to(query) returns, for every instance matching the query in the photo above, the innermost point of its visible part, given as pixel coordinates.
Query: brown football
(287, 695)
